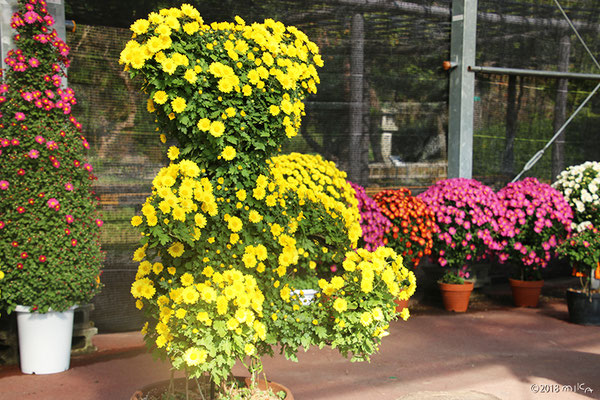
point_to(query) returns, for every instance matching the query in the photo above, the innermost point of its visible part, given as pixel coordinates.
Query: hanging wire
(540, 153)
(576, 33)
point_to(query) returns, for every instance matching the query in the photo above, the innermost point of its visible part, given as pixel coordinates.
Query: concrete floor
(492, 351)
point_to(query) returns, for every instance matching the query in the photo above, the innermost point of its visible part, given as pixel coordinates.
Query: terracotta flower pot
(526, 293)
(400, 305)
(456, 297)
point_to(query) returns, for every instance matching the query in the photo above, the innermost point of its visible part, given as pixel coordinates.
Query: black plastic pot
(583, 309)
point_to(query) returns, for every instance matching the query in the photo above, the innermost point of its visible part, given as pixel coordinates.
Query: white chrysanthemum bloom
(582, 226)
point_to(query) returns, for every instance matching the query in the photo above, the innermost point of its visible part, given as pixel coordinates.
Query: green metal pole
(462, 89)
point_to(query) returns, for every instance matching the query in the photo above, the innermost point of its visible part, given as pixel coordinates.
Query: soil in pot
(160, 391)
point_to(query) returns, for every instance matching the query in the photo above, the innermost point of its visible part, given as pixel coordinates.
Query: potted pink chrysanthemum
(536, 221)
(466, 214)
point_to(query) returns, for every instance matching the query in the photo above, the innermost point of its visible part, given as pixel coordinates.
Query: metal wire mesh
(403, 120)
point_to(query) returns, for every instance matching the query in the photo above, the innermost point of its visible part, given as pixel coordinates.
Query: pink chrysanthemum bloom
(20, 67)
(34, 62)
(31, 17)
(372, 222)
(4, 185)
(33, 153)
(52, 203)
(538, 218)
(69, 218)
(99, 222)
(464, 208)
(69, 186)
(19, 116)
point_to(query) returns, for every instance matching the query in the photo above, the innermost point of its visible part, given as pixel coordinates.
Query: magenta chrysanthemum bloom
(466, 213)
(99, 222)
(537, 219)
(31, 17)
(88, 167)
(33, 153)
(30, 203)
(372, 222)
(52, 203)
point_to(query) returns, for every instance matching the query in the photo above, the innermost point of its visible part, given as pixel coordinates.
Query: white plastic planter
(44, 340)
(306, 296)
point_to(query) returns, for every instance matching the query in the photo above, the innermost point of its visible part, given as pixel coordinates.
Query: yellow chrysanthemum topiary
(231, 230)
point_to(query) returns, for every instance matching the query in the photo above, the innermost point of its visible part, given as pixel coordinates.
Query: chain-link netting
(398, 88)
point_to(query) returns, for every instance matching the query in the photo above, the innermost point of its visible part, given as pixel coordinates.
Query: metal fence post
(462, 89)
(7, 8)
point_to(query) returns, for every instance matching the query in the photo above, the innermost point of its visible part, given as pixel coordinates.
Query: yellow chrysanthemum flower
(190, 295)
(161, 97)
(228, 153)
(179, 104)
(405, 314)
(169, 66)
(249, 349)
(254, 216)
(340, 304)
(157, 268)
(136, 220)
(194, 356)
(274, 110)
(173, 153)
(217, 128)
(176, 249)
(140, 26)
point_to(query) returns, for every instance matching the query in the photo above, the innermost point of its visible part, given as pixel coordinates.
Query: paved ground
(494, 351)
